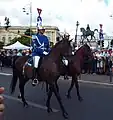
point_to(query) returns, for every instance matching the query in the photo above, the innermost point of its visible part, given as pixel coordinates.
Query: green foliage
(23, 40)
(27, 32)
(111, 43)
(1, 44)
(51, 44)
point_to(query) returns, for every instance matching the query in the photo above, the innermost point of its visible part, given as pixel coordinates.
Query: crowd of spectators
(6, 56)
(99, 65)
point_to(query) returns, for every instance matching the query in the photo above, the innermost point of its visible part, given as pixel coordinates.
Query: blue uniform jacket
(40, 43)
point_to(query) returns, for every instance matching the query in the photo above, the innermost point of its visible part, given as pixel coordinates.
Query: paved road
(97, 104)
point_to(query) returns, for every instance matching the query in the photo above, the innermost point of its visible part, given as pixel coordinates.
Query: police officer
(40, 48)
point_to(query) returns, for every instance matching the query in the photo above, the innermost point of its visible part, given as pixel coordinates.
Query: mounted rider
(40, 48)
(88, 28)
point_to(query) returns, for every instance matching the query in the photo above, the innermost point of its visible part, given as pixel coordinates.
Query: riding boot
(35, 80)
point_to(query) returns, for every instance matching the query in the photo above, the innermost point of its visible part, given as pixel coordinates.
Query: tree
(1, 44)
(27, 32)
(22, 39)
(112, 43)
(51, 44)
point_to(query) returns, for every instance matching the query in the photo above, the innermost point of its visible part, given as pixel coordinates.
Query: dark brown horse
(49, 72)
(77, 62)
(74, 68)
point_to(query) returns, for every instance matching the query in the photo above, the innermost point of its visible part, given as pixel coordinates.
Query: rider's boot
(35, 80)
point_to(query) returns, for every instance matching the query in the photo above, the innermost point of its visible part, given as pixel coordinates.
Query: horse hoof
(80, 99)
(49, 110)
(25, 104)
(65, 115)
(19, 96)
(68, 96)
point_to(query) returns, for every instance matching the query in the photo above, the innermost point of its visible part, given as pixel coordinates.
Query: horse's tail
(95, 30)
(14, 78)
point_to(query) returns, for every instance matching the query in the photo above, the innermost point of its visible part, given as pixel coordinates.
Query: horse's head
(66, 46)
(86, 52)
(66, 36)
(82, 29)
(63, 47)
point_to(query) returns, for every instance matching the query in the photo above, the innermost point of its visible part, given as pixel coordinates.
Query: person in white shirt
(19, 53)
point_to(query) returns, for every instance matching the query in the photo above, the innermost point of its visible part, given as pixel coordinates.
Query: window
(9, 39)
(3, 39)
(49, 35)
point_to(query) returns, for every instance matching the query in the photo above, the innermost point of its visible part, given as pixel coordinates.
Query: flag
(39, 19)
(39, 22)
(39, 11)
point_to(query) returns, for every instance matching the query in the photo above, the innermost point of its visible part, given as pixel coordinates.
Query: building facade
(52, 33)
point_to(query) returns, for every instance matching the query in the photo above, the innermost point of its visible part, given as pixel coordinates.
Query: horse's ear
(71, 40)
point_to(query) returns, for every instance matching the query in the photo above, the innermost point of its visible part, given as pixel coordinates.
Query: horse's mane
(55, 46)
(85, 45)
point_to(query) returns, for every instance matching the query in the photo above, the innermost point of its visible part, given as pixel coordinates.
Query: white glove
(73, 53)
(45, 53)
(31, 48)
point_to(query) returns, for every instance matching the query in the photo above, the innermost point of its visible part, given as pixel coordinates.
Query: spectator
(19, 53)
(1, 104)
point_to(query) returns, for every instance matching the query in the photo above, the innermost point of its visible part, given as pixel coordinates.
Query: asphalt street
(97, 103)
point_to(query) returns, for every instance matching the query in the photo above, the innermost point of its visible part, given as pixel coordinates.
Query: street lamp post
(77, 24)
(30, 15)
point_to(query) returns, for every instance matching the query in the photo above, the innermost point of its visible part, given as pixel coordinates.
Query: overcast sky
(61, 13)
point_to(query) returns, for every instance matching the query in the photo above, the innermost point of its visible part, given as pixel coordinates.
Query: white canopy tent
(16, 45)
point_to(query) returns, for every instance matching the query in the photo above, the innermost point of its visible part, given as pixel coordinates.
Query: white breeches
(36, 61)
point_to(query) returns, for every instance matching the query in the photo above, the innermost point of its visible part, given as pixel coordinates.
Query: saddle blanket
(30, 62)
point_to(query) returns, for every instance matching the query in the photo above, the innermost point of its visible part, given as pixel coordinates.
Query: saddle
(29, 62)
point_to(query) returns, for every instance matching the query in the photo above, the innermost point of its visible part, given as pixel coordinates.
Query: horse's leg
(57, 86)
(74, 78)
(94, 37)
(19, 96)
(1, 65)
(22, 82)
(82, 41)
(47, 88)
(49, 109)
(70, 89)
(57, 94)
